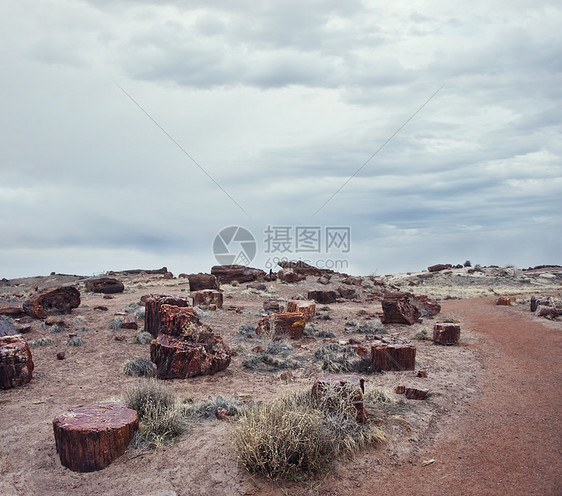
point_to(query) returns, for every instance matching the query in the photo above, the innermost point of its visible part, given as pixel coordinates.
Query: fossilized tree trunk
(16, 363)
(393, 357)
(52, 301)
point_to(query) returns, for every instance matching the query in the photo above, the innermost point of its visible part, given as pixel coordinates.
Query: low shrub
(143, 338)
(139, 367)
(116, 323)
(40, 342)
(57, 329)
(76, 341)
(275, 356)
(207, 409)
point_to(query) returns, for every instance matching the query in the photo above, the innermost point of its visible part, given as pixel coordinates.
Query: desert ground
(490, 425)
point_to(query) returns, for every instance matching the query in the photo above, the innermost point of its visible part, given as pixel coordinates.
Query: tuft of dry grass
(139, 367)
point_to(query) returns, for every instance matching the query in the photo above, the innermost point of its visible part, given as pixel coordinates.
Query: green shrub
(139, 367)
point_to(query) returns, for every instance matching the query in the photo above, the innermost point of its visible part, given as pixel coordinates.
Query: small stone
(61, 355)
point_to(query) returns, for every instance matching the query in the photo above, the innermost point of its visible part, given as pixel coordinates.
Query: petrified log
(203, 353)
(105, 285)
(393, 357)
(328, 391)
(416, 394)
(152, 304)
(228, 273)
(176, 321)
(399, 308)
(90, 437)
(307, 308)
(129, 322)
(207, 297)
(200, 281)
(14, 312)
(545, 311)
(303, 268)
(288, 275)
(400, 389)
(348, 293)
(323, 296)
(52, 301)
(446, 333)
(439, 267)
(271, 305)
(282, 325)
(16, 363)
(506, 300)
(163, 270)
(427, 307)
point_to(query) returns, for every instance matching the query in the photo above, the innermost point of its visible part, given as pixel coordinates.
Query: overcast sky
(280, 102)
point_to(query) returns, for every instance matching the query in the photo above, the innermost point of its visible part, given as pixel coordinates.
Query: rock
(228, 273)
(427, 307)
(446, 333)
(200, 281)
(422, 373)
(129, 322)
(207, 297)
(400, 389)
(393, 357)
(257, 286)
(416, 394)
(16, 362)
(536, 302)
(176, 321)
(13, 312)
(302, 268)
(506, 300)
(7, 328)
(271, 305)
(52, 301)
(323, 296)
(101, 308)
(348, 293)
(281, 325)
(90, 437)
(544, 311)
(288, 276)
(399, 308)
(200, 353)
(325, 279)
(327, 388)
(129, 272)
(119, 337)
(61, 355)
(352, 281)
(307, 308)
(361, 351)
(105, 285)
(152, 310)
(439, 267)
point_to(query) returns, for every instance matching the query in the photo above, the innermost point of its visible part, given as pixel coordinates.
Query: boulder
(439, 267)
(544, 311)
(13, 312)
(506, 300)
(323, 296)
(303, 268)
(271, 305)
(415, 393)
(129, 322)
(7, 328)
(16, 363)
(105, 285)
(446, 333)
(207, 297)
(399, 308)
(288, 276)
(348, 293)
(52, 301)
(328, 391)
(200, 281)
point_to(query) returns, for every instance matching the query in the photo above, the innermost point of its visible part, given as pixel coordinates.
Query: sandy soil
(492, 424)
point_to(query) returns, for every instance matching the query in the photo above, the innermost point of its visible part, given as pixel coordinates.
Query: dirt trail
(508, 438)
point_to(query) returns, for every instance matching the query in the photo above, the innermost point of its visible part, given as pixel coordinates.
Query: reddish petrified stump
(207, 297)
(506, 300)
(545, 311)
(106, 285)
(400, 389)
(281, 325)
(328, 389)
(302, 268)
(52, 301)
(90, 437)
(399, 308)
(200, 281)
(307, 308)
(446, 333)
(176, 321)
(228, 273)
(393, 357)
(323, 296)
(129, 322)
(416, 394)
(16, 363)
(202, 353)
(152, 304)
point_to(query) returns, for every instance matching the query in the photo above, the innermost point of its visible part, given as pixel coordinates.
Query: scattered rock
(281, 325)
(421, 373)
(106, 285)
(393, 357)
(52, 301)
(506, 300)
(416, 394)
(439, 267)
(152, 310)
(348, 293)
(13, 312)
(400, 389)
(61, 355)
(549, 312)
(7, 328)
(129, 322)
(226, 274)
(307, 308)
(101, 308)
(428, 307)
(271, 305)
(288, 276)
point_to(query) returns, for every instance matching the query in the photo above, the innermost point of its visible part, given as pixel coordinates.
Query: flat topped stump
(207, 297)
(446, 333)
(16, 363)
(90, 437)
(152, 306)
(307, 308)
(393, 357)
(329, 389)
(282, 325)
(176, 321)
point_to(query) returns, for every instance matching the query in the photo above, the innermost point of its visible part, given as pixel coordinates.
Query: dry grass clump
(116, 323)
(75, 341)
(207, 409)
(139, 367)
(291, 435)
(275, 356)
(143, 338)
(335, 358)
(41, 342)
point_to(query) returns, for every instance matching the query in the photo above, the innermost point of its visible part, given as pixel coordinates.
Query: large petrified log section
(393, 357)
(200, 281)
(176, 321)
(52, 301)
(427, 306)
(446, 333)
(152, 304)
(415, 393)
(282, 325)
(228, 273)
(399, 308)
(106, 285)
(207, 297)
(307, 308)
(323, 296)
(201, 353)
(16, 363)
(90, 437)
(328, 391)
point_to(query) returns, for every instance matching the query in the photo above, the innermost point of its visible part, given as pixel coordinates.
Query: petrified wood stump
(282, 325)
(207, 297)
(445, 333)
(328, 390)
(399, 308)
(323, 296)
(129, 322)
(288, 275)
(106, 285)
(90, 437)
(506, 300)
(152, 304)
(307, 308)
(348, 293)
(16, 363)
(176, 321)
(189, 355)
(393, 357)
(200, 281)
(52, 301)
(416, 394)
